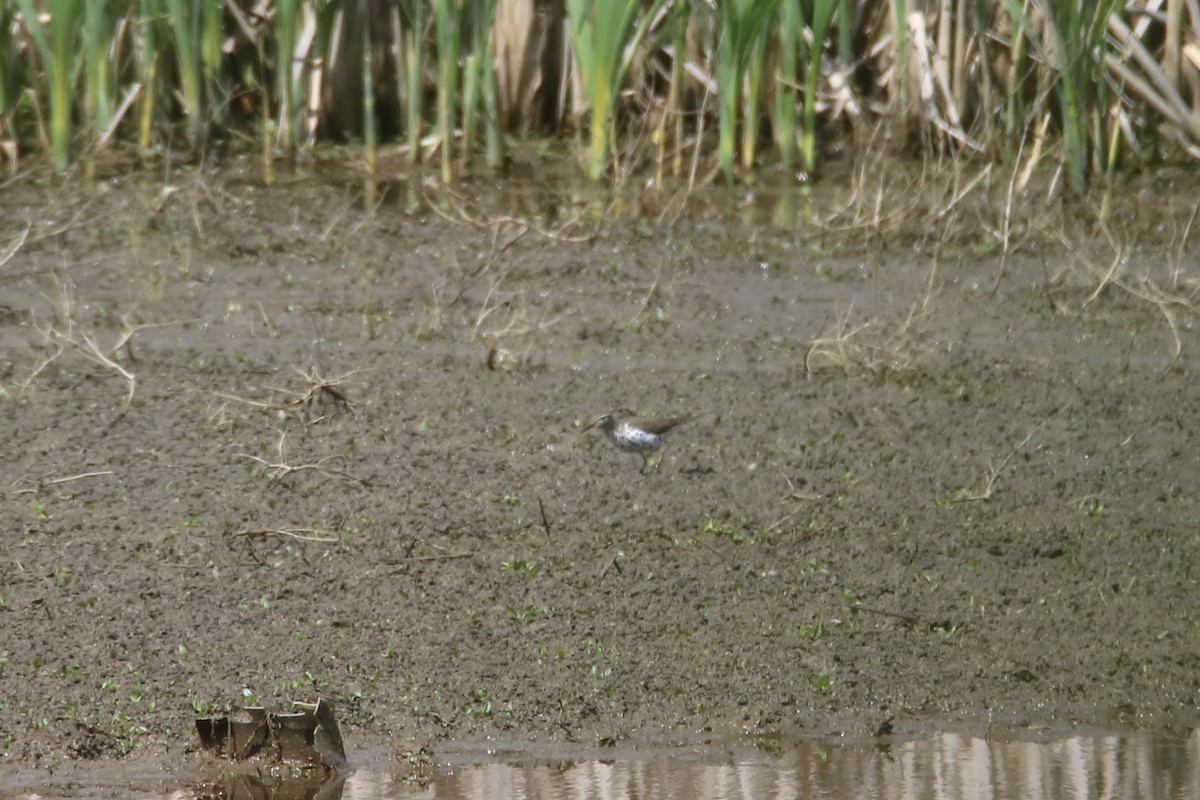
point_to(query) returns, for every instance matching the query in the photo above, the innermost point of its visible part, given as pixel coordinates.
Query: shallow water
(1015, 764)
(942, 765)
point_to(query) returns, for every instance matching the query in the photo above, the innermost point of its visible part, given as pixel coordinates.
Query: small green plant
(39, 509)
(812, 630)
(822, 681)
(530, 569)
(946, 629)
(527, 612)
(480, 706)
(207, 707)
(714, 525)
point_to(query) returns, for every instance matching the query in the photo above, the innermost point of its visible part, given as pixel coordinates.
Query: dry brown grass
(64, 334)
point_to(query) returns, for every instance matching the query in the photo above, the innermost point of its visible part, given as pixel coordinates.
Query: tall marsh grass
(1084, 85)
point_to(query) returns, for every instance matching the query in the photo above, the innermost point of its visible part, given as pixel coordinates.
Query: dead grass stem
(279, 469)
(64, 333)
(319, 392)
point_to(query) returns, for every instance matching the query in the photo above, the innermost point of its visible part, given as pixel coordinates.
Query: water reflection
(943, 765)
(940, 766)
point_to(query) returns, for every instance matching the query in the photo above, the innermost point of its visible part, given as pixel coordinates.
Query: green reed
(100, 84)
(149, 45)
(185, 17)
(287, 86)
(57, 49)
(900, 54)
(411, 61)
(479, 76)
(790, 39)
(744, 27)
(1072, 44)
(1012, 67)
(819, 17)
(447, 25)
(10, 85)
(210, 59)
(494, 133)
(370, 143)
(602, 32)
(675, 96)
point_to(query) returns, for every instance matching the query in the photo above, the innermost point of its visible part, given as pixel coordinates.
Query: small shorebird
(635, 435)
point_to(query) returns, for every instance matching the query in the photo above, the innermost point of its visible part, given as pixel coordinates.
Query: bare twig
(43, 482)
(65, 333)
(794, 496)
(303, 535)
(277, 470)
(645, 300)
(300, 534)
(994, 470)
(16, 245)
(320, 390)
(545, 521)
(442, 555)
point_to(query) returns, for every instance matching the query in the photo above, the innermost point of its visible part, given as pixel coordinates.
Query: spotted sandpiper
(635, 434)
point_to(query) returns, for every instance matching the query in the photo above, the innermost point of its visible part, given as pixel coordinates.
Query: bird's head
(606, 423)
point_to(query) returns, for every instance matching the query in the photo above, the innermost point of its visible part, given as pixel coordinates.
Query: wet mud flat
(902, 499)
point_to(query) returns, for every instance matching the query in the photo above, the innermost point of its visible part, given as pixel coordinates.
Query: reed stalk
(900, 50)
(1071, 69)
(756, 65)
(494, 133)
(185, 17)
(675, 99)
(1072, 43)
(57, 48)
(472, 75)
(602, 32)
(148, 40)
(819, 18)
(790, 40)
(845, 30)
(370, 134)
(9, 80)
(447, 23)
(267, 134)
(479, 81)
(743, 25)
(411, 44)
(100, 89)
(288, 86)
(210, 59)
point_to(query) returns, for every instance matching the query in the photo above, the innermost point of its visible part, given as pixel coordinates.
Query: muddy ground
(903, 499)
